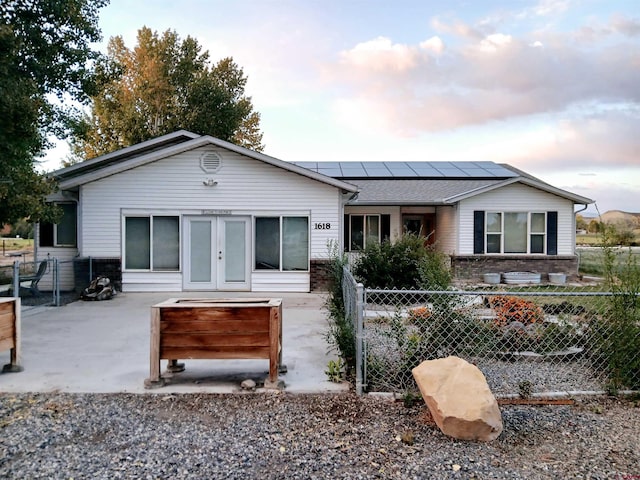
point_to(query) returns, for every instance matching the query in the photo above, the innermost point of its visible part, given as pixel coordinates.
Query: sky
(548, 86)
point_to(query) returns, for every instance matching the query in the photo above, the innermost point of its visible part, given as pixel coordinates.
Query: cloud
(585, 143)
(428, 86)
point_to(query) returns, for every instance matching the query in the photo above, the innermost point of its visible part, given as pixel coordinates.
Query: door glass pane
(515, 232)
(295, 243)
(200, 243)
(357, 232)
(373, 229)
(267, 243)
(166, 243)
(137, 243)
(234, 251)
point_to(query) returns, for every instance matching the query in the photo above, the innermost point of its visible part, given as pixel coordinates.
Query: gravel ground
(272, 436)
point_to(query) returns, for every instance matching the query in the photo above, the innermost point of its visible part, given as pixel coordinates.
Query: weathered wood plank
(7, 331)
(224, 325)
(274, 344)
(213, 353)
(215, 313)
(154, 349)
(6, 344)
(234, 340)
(7, 319)
(6, 307)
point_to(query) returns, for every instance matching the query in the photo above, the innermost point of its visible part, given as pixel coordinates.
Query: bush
(405, 264)
(618, 332)
(340, 334)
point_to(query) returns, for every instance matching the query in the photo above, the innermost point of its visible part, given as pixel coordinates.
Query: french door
(216, 253)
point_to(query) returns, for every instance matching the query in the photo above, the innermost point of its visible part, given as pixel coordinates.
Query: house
(487, 217)
(187, 212)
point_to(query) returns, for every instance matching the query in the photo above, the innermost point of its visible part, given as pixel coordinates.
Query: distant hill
(617, 216)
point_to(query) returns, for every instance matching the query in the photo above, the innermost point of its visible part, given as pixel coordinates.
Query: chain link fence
(36, 282)
(527, 340)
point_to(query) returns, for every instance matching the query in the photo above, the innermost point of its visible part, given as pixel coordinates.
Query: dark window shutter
(345, 228)
(552, 233)
(478, 231)
(46, 234)
(386, 227)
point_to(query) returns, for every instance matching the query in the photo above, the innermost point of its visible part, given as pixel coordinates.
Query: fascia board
(195, 143)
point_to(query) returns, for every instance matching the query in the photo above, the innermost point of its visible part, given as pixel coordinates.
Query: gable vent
(210, 162)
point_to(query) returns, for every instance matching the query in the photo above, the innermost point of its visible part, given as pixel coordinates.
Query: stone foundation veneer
(472, 267)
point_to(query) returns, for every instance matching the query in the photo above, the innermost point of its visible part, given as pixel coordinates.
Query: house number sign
(322, 226)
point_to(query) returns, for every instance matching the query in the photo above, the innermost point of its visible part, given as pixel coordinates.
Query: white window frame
(150, 216)
(365, 217)
(530, 233)
(280, 250)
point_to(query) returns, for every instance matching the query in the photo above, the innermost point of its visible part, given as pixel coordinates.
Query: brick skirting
(319, 275)
(472, 267)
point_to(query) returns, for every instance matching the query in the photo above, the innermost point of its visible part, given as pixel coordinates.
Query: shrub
(340, 333)
(406, 263)
(513, 309)
(617, 334)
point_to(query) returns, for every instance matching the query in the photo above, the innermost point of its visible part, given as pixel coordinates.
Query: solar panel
(420, 169)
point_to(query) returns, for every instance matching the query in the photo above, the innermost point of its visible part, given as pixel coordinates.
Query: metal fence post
(16, 278)
(359, 338)
(56, 276)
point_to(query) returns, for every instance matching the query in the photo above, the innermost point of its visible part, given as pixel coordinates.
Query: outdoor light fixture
(210, 182)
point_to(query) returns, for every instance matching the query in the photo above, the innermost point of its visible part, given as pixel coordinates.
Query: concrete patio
(102, 347)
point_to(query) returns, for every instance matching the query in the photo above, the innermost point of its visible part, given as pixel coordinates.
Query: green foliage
(335, 370)
(340, 333)
(162, 85)
(618, 333)
(22, 228)
(406, 263)
(45, 54)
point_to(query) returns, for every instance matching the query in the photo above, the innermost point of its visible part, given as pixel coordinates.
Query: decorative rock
(248, 384)
(459, 399)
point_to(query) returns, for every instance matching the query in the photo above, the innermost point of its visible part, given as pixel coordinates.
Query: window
(515, 232)
(152, 243)
(362, 230)
(64, 233)
(282, 243)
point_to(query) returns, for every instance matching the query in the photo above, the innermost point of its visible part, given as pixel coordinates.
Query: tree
(45, 59)
(162, 85)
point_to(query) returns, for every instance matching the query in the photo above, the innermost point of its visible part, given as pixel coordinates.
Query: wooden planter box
(10, 332)
(197, 328)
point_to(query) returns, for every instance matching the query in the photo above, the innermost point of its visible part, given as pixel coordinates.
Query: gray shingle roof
(408, 191)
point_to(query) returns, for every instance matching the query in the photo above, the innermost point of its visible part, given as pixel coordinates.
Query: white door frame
(213, 260)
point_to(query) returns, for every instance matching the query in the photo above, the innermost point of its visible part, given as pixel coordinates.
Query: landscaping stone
(459, 399)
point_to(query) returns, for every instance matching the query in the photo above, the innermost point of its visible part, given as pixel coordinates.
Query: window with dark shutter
(478, 232)
(552, 233)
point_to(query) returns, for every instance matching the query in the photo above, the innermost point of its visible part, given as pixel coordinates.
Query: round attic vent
(210, 162)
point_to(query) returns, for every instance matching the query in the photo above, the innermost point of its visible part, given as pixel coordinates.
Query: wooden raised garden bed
(198, 328)
(10, 332)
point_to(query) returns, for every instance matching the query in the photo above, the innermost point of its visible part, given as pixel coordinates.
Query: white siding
(446, 234)
(174, 186)
(517, 198)
(280, 282)
(151, 281)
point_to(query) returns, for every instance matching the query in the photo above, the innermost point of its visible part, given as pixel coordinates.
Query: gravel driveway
(270, 436)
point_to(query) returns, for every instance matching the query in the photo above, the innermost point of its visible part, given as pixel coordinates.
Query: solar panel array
(409, 169)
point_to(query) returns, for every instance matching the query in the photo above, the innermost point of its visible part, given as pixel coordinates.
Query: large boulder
(459, 399)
